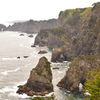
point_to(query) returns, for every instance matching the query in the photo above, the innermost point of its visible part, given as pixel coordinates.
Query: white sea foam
(12, 90)
(6, 89)
(15, 88)
(13, 58)
(9, 71)
(60, 72)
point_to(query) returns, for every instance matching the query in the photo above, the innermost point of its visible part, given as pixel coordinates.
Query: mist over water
(15, 71)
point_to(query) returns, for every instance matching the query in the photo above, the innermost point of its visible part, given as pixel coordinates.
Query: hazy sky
(37, 9)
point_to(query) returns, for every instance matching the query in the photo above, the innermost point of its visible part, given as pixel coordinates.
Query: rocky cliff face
(49, 37)
(32, 26)
(80, 34)
(78, 72)
(40, 80)
(2, 27)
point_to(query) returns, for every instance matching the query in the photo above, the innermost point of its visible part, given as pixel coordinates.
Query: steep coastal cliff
(77, 33)
(78, 72)
(32, 26)
(40, 80)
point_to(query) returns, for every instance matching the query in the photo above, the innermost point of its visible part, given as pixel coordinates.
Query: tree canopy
(92, 85)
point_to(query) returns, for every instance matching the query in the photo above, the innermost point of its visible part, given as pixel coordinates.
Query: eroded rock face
(62, 54)
(40, 80)
(49, 38)
(78, 72)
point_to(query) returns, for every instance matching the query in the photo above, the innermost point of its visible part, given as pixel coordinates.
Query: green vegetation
(45, 98)
(48, 67)
(98, 35)
(56, 31)
(96, 6)
(86, 12)
(70, 96)
(93, 85)
(71, 16)
(41, 72)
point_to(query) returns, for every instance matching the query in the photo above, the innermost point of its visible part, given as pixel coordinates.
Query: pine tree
(93, 85)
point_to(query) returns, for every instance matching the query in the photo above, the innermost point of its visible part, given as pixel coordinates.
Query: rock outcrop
(42, 52)
(32, 26)
(49, 37)
(77, 33)
(30, 36)
(2, 27)
(78, 72)
(40, 80)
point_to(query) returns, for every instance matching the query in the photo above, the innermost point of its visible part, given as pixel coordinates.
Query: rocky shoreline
(76, 32)
(31, 26)
(75, 35)
(78, 72)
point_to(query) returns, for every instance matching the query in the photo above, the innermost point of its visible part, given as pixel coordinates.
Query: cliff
(77, 33)
(32, 26)
(2, 27)
(40, 80)
(78, 72)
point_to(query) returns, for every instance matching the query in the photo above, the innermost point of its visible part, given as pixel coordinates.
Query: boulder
(32, 45)
(30, 36)
(78, 72)
(42, 52)
(25, 56)
(18, 57)
(21, 34)
(40, 80)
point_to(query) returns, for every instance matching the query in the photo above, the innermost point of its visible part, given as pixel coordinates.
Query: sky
(11, 10)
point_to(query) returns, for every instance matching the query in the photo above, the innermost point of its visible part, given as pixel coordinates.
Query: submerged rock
(40, 80)
(21, 34)
(25, 56)
(33, 45)
(30, 36)
(78, 72)
(18, 57)
(42, 52)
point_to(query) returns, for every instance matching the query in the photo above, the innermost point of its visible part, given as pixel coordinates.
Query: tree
(93, 85)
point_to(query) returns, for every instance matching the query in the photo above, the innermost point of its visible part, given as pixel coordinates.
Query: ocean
(15, 67)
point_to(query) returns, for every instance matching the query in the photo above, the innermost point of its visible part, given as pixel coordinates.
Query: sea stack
(40, 80)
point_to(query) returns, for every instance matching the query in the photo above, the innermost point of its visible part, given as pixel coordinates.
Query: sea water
(15, 68)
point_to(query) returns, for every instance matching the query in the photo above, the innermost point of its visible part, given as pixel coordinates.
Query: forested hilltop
(32, 26)
(77, 33)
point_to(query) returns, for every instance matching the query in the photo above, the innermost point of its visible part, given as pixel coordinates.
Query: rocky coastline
(31, 26)
(77, 33)
(78, 72)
